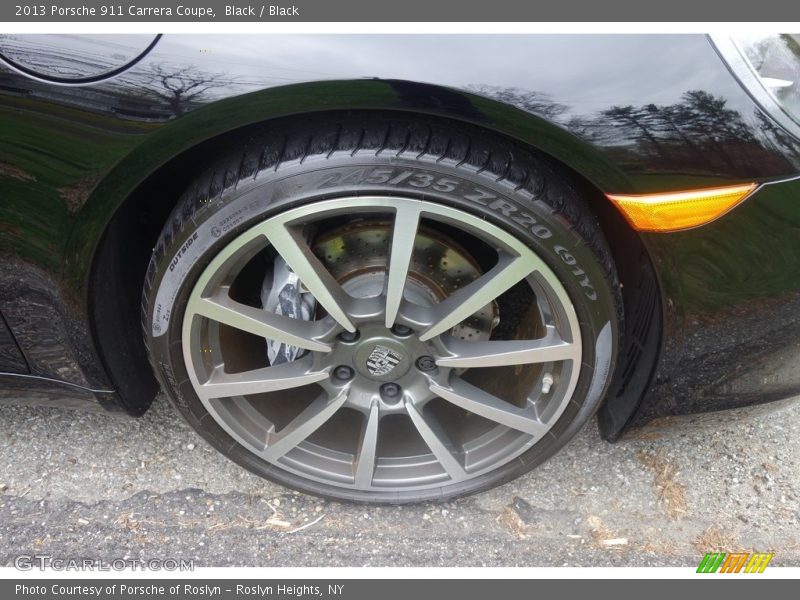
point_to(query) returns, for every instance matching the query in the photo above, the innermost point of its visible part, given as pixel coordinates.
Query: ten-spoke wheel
(375, 326)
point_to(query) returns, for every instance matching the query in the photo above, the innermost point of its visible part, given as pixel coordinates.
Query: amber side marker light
(674, 211)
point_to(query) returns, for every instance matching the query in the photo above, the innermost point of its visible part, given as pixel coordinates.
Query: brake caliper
(282, 294)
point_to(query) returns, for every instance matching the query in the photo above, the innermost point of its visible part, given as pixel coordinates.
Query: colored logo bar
(734, 562)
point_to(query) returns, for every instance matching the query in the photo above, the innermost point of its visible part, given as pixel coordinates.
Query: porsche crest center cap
(382, 361)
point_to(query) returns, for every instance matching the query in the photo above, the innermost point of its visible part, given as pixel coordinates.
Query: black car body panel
(731, 311)
(85, 168)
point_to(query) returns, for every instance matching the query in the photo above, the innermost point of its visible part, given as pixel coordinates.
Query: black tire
(301, 161)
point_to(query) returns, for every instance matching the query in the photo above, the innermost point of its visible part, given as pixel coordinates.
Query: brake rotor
(357, 256)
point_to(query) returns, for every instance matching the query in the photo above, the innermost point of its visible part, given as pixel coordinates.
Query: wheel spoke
(302, 426)
(550, 348)
(292, 332)
(475, 400)
(266, 379)
(364, 467)
(436, 440)
(471, 298)
(406, 222)
(289, 243)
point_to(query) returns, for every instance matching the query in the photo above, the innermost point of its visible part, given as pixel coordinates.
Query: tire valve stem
(547, 382)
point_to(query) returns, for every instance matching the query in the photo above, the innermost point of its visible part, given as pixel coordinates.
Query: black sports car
(399, 268)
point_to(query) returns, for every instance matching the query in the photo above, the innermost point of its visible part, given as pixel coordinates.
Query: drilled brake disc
(357, 256)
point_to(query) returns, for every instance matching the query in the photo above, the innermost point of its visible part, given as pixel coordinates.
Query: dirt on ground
(82, 485)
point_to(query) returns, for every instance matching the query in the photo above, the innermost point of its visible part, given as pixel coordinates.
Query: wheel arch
(124, 215)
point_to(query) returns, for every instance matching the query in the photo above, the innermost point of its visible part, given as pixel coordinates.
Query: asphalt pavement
(82, 485)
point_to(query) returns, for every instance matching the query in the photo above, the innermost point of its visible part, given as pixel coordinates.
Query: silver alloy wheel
(340, 379)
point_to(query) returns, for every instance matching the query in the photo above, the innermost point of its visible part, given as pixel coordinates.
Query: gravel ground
(76, 485)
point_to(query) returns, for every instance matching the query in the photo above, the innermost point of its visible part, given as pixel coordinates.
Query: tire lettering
(379, 176)
(182, 250)
(445, 185)
(480, 196)
(564, 255)
(503, 206)
(527, 220)
(353, 178)
(580, 274)
(330, 180)
(421, 180)
(402, 177)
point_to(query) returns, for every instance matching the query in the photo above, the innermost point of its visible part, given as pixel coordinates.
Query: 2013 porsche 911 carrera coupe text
(399, 268)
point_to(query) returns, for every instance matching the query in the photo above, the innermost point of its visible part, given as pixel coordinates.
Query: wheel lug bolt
(349, 336)
(426, 363)
(390, 392)
(343, 373)
(401, 330)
